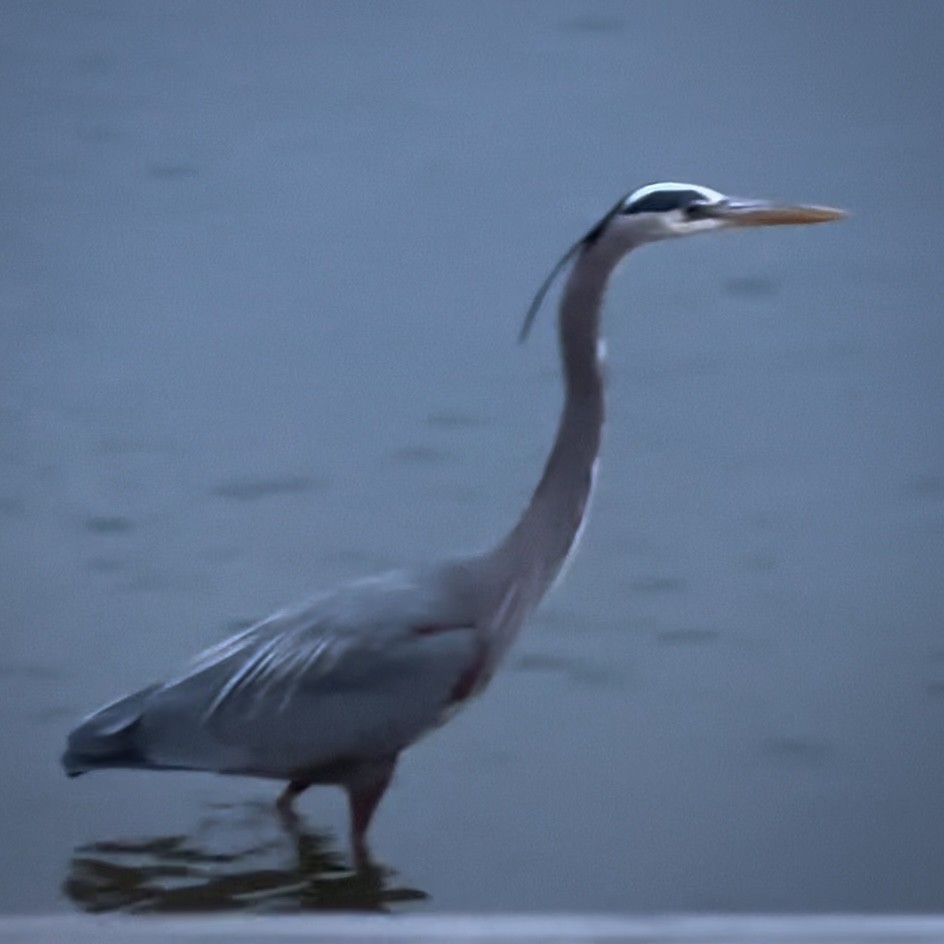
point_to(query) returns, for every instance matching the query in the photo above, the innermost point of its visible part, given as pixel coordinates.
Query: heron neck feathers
(533, 554)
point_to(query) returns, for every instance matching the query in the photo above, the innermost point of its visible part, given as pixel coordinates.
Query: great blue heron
(331, 691)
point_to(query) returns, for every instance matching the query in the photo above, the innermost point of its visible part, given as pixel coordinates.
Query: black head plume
(586, 240)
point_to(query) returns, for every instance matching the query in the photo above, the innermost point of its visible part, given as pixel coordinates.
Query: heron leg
(285, 804)
(364, 796)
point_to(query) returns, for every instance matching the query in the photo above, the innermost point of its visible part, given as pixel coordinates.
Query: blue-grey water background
(263, 268)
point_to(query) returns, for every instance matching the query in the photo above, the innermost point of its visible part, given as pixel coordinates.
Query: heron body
(333, 690)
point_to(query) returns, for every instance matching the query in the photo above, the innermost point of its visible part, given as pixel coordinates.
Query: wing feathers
(358, 673)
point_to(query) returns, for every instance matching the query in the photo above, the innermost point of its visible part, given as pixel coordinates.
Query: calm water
(263, 269)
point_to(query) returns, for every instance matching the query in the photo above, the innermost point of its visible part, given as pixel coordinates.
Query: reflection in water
(284, 871)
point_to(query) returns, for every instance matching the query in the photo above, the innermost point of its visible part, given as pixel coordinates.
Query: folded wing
(356, 674)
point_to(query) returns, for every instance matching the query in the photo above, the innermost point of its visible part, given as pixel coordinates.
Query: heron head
(670, 209)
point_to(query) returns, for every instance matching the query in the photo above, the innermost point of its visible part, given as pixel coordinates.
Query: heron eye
(696, 211)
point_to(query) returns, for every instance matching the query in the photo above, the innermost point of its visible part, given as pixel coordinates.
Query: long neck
(535, 550)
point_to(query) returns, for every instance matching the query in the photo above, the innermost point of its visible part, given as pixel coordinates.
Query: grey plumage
(361, 671)
(333, 690)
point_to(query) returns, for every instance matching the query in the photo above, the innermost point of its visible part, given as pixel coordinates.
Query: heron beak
(737, 212)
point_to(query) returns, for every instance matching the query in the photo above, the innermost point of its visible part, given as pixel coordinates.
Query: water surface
(264, 268)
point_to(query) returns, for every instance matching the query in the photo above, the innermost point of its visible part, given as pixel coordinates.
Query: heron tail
(108, 738)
